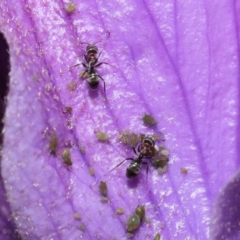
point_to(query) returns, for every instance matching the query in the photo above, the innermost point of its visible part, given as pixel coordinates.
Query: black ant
(145, 149)
(91, 62)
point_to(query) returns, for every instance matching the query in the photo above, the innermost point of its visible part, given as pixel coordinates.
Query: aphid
(72, 86)
(82, 227)
(102, 136)
(82, 149)
(71, 7)
(140, 211)
(91, 171)
(66, 157)
(120, 211)
(129, 138)
(76, 216)
(184, 171)
(133, 222)
(104, 199)
(103, 188)
(53, 144)
(157, 237)
(149, 120)
(162, 159)
(163, 169)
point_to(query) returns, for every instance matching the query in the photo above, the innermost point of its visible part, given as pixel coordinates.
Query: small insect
(91, 171)
(66, 157)
(184, 171)
(70, 7)
(120, 211)
(82, 227)
(157, 237)
(149, 120)
(53, 144)
(140, 211)
(103, 188)
(133, 222)
(76, 216)
(102, 136)
(91, 62)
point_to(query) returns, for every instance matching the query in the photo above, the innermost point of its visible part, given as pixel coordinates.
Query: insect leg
(103, 82)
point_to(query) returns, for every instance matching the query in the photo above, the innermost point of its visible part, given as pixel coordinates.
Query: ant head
(91, 48)
(148, 141)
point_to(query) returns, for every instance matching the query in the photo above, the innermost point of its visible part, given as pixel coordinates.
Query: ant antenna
(119, 164)
(102, 40)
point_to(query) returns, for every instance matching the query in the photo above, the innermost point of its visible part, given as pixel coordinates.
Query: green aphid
(71, 7)
(149, 120)
(163, 170)
(133, 222)
(160, 161)
(66, 157)
(129, 138)
(82, 149)
(133, 139)
(157, 237)
(82, 227)
(140, 211)
(102, 136)
(103, 189)
(53, 144)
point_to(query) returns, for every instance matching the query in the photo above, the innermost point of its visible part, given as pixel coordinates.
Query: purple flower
(175, 60)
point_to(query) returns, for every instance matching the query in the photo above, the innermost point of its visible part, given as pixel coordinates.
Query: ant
(146, 149)
(91, 62)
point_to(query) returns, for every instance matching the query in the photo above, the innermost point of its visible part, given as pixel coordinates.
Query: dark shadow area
(4, 79)
(8, 229)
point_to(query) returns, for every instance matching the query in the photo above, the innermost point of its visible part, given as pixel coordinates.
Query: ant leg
(99, 64)
(134, 150)
(103, 82)
(139, 148)
(99, 55)
(120, 164)
(82, 75)
(85, 56)
(146, 169)
(84, 65)
(75, 65)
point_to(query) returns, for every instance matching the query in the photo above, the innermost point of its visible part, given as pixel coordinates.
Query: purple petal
(174, 60)
(226, 214)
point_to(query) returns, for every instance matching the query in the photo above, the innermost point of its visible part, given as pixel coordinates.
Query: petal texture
(175, 60)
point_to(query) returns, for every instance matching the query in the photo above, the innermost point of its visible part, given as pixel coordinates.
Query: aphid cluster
(143, 146)
(147, 149)
(134, 220)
